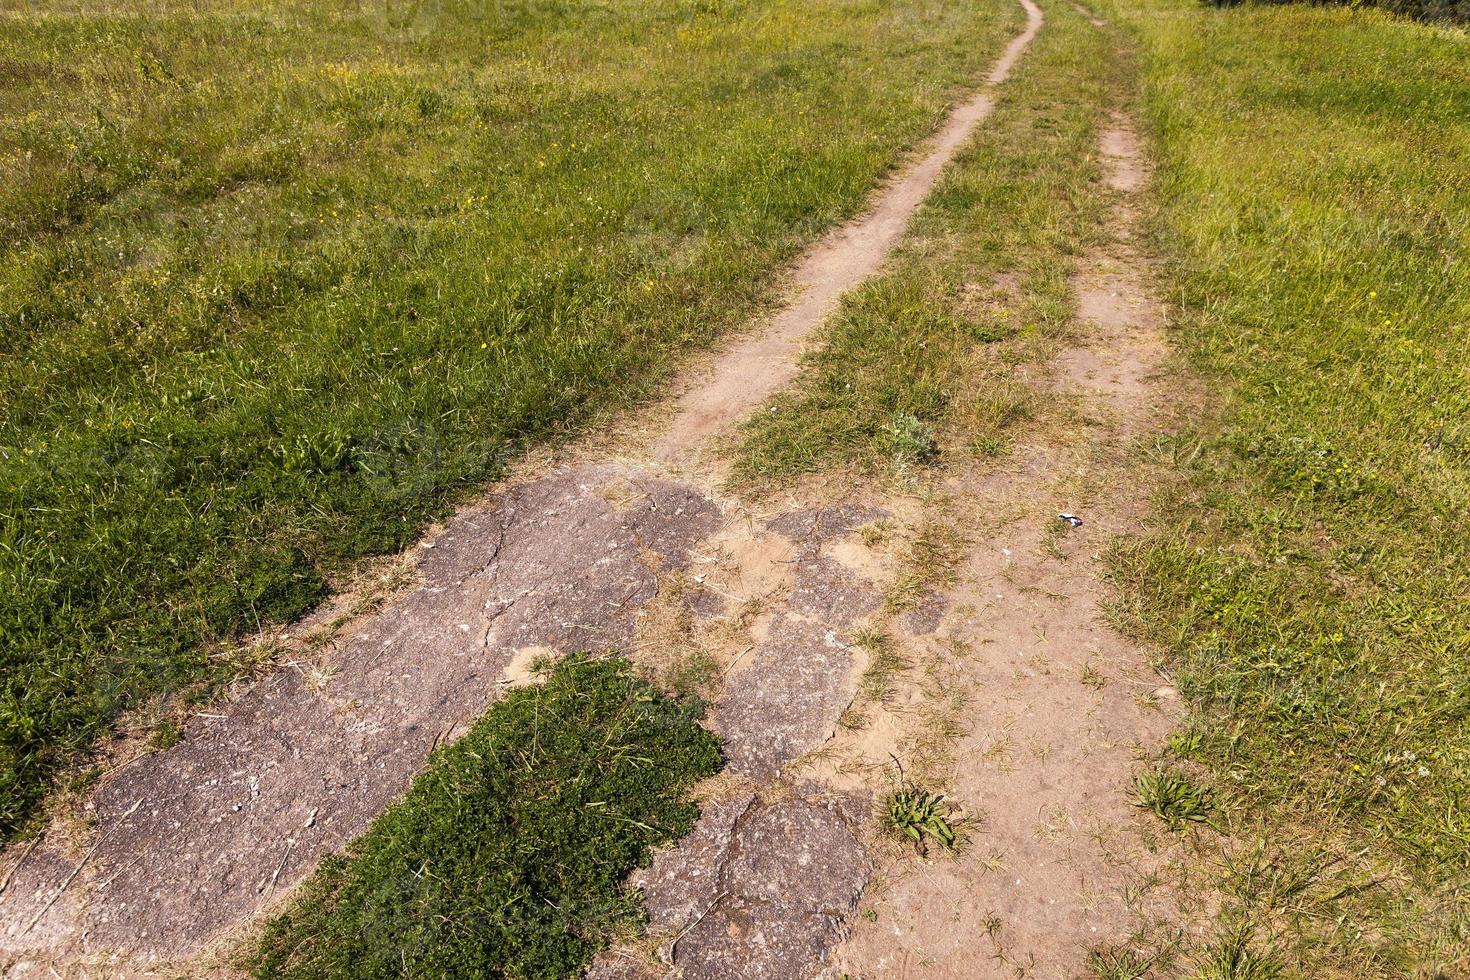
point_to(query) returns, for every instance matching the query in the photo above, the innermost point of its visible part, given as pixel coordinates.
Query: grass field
(279, 281)
(1309, 576)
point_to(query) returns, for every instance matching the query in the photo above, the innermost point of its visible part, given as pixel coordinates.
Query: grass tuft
(1234, 956)
(1172, 797)
(911, 440)
(1118, 963)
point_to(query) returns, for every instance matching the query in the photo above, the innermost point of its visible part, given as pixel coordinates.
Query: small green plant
(876, 533)
(920, 817)
(1117, 963)
(168, 734)
(1172, 797)
(910, 439)
(990, 446)
(1185, 743)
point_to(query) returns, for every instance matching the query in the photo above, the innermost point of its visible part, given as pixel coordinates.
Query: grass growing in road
(1310, 576)
(278, 281)
(920, 361)
(508, 856)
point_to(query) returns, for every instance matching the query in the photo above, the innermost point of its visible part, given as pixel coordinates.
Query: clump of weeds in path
(920, 817)
(911, 440)
(1118, 963)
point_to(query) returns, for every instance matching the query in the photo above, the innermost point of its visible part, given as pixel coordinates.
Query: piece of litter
(1071, 519)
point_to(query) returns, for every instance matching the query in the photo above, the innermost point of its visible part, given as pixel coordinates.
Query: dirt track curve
(191, 844)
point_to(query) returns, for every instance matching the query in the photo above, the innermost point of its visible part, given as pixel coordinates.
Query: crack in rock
(789, 874)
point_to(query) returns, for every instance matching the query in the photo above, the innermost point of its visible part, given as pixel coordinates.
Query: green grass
(1118, 963)
(508, 856)
(279, 282)
(919, 363)
(1234, 956)
(1310, 575)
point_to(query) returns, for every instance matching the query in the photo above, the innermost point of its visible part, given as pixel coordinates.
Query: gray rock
(246, 805)
(788, 700)
(828, 592)
(793, 873)
(825, 523)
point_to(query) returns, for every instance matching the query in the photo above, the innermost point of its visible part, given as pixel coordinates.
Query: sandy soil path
(1011, 673)
(189, 845)
(1062, 707)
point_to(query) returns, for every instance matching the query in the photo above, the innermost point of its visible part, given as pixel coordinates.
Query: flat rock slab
(828, 593)
(194, 840)
(759, 890)
(788, 700)
(685, 880)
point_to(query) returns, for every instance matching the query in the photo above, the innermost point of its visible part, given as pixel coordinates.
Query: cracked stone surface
(760, 888)
(788, 700)
(800, 679)
(829, 593)
(790, 874)
(825, 523)
(250, 800)
(685, 880)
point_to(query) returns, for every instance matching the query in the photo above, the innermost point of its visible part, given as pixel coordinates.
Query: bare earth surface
(1045, 707)
(1061, 705)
